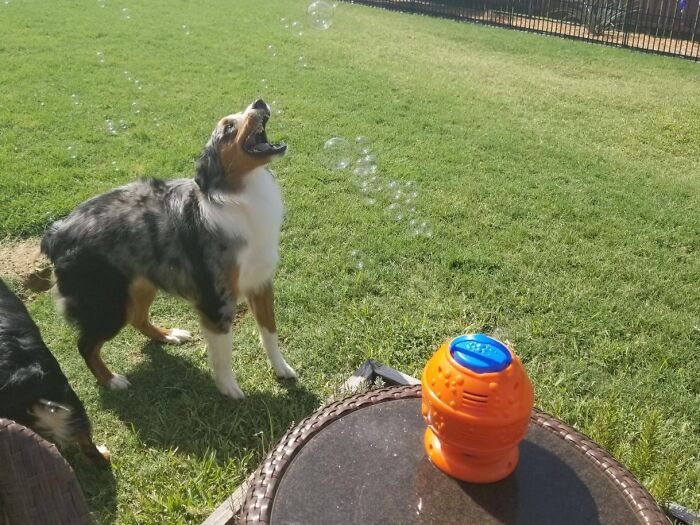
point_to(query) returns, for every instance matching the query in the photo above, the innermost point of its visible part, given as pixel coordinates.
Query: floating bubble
(126, 14)
(137, 84)
(392, 185)
(264, 85)
(285, 22)
(72, 155)
(185, 29)
(122, 124)
(75, 99)
(365, 165)
(370, 201)
(393, 206)
(156, 122)
(398, 217)
(272, 49)
(356, 260)
(363, 145)
(320, 15)
(337, 153)
(276, 108)
(111, 129)
(100, 57)
(410, 183)
(101, 3)
(135, 107)
(397, 196)
(114, 165)
(302, 63)
(298, 28)
(42, 103)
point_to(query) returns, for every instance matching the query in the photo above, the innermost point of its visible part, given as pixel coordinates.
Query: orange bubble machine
(477, 400)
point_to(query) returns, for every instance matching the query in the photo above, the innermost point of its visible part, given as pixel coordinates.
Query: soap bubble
(264, 85)
(285, 22)
(298, 27)
(186, 29)
(101, 3)
(100, 57)
(122, 124)
(392, 185)
(320, 15)
(365, 165)
(272, 49)
(398, 217)
(356, 259)
(421, 229)
(302, 63)
(125, 13)
(135, 108)
(114, 165)
(72, 155)
(75, 99)
(363, 145)
(276, 108)
(111, 129)
(338, 153)
(369, 201)
(156, 122)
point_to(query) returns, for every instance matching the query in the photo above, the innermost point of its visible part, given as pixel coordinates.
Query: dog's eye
(229, 128)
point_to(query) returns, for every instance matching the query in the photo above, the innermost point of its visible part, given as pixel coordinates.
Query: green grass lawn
(560, 181)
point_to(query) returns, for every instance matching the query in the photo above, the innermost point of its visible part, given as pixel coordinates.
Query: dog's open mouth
(257, 143)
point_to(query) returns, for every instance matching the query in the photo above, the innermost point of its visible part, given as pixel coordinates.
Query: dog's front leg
(262, 305)
(219, 350)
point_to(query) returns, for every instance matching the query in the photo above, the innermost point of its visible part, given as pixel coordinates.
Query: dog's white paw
(118, 382)
(105, 452)
(284, 371)
(230, 389)
(177, 336)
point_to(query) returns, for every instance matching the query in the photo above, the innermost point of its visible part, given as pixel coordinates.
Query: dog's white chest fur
(255, 215)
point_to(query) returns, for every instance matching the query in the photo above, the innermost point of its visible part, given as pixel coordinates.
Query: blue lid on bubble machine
(480, 353)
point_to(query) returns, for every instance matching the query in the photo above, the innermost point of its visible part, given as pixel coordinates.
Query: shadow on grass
(172, 404)
(98, 485)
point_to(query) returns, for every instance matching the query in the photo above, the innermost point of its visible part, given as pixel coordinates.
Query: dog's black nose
(259, 104)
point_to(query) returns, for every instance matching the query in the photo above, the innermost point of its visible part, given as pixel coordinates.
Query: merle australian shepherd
(212, 240)
(33, 389)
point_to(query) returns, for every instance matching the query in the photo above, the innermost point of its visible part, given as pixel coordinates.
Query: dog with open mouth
(212, 240)
(33, 390)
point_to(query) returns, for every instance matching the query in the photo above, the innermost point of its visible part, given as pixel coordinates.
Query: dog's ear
(209, 171)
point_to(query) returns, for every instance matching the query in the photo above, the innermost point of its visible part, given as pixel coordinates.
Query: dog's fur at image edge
(212, 240)
(33, 390)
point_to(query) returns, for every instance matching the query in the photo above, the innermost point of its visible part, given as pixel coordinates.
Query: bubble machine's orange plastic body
(476, 416)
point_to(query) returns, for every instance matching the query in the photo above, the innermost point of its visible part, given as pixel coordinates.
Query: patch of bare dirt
(22, 260)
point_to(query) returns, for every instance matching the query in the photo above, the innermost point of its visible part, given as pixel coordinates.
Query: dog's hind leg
(142, 293)
(262, 305)
(90, 350)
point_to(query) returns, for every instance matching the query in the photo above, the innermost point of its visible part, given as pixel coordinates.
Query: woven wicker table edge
(257, 503)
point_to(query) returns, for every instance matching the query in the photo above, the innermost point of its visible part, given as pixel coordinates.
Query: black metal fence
(668, 27)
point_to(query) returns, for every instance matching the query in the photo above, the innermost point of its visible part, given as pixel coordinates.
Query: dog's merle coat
(211, 240)
(33, 389)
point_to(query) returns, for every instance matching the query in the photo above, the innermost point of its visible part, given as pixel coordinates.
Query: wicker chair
(37, 486)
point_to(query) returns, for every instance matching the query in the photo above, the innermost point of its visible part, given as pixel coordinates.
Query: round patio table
(361, 460)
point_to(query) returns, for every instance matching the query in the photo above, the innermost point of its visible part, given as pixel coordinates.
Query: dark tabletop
(369, 466)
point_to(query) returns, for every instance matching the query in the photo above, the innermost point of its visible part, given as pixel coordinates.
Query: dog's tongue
(265, 146)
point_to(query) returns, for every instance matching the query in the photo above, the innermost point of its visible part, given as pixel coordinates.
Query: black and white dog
(33, 389)
(212, 240)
